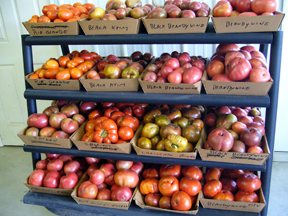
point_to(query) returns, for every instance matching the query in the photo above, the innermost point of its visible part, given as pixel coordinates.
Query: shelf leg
(65, 49)
(31, 103)
(271, 114)
(264, 49)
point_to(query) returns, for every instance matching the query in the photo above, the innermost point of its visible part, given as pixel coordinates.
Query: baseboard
(280, 156)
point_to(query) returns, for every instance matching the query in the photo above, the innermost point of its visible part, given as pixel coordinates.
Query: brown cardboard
(167, 154)
(234, 157)
(52, 29)
(176, 25)
(110, 27)
(234, 205)
(109, 84)
(101, 203)
(236, 88)
(248, 24)
(57, 191)
(44, 141)
(101, 147)
(53, 84)
(169, 88)
(139, 200)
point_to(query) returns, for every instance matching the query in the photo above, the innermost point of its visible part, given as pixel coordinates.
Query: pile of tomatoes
(71, 66)
(62, 13)
(114, 124)
(171, 186)
(231, 185)
(110, 180)
(58, 171)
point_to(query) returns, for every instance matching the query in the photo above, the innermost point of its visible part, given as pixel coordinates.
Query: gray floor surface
(16, 165)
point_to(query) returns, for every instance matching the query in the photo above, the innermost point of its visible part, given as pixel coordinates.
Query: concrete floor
(16, 165)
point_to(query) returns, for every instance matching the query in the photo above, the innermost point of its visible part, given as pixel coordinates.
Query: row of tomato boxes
(158, 26)
(125, 148)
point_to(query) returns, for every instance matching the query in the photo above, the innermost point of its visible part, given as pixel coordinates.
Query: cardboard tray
(53, 84)
(139, 201)
(109, 84)
(234, 157)
(101, 203)
(167, 154)
(248, 24)
(102, 147)
(236, 88)
(52, 29)
(234, 205)
(169, 88)
(44, 141)
(57, 191)
(176, 25)
(110, 27)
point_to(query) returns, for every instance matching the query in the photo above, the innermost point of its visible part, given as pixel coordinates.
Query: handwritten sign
(64, 192)
(226, 206)
(40, 82)
(182, 26)
(171, 88)
(231, 88)
(191, 156)
(100, 146)
(252, 24)
(50, 30)
(45, 140)
(108, 204)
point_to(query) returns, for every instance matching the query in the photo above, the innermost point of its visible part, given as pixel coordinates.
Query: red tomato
(104, 194)
(106, 132)
(153, 199)
(126, 133)
(108, 168)
(55, 164)
(233, 173)
(91, 168)
(126, 178)
(36, 178)
(262, 6)
(109, 180)
(168, 185)
(192, 172)
(115, 115)
(224, 195)
(69, 181)
(243, 5)
(165, 202)
(229, 184)
(51, 179)
(108, 112)
(94, 114)
(42, 164)
(222, 9)
(246, 197)
(71, 166)
(149, 185)
(181, 201)
(170, 170)
(87, 190)
(191, 186)
(213, 173)
(211, 188)
(248, 182)
(121, 194)
(150, 173)
(97, 176)
(128, 121)
(123, 164)
(92, 160)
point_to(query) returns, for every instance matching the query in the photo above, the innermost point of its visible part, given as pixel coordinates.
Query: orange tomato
(38, 70)
(168, 185)
(43, 19)
(79, 60)
(77, 4)
(61, 68)
(71, 20)
(82, 16)
(50, 73)
(88, 137)
(90, 126)
(94, 114)
(76, 17)
(149, 185)
(88, 6)
(51, 64)
(126, 133)
(35, 17)
(65, 14)
(46, 8)
(63, 75)
(64, 6)
(89, 64)
(82, 9)
(63, 60)
(34, 76)
(41, 73)
(54, 5)
(52, 14)
(76, 73)
(58, 20)
(75, 11)
(71, 64)
(82, 67)
(33, 20)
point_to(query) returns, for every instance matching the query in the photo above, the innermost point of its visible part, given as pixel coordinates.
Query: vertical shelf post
(271, 114)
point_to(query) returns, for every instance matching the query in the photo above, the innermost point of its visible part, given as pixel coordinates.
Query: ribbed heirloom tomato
(149, 185)
(168, 185)
(106, 132)
(87, 190)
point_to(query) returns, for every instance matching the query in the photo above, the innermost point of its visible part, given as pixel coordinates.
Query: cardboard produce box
(139, 200)
(235, 157)
(110, 27)
(234, 205)
(248, 24)
(53, 84)
(102, 147)
(109, 84)
(169, 88)
(57, 191)
(44, 141)
(236, 88)
(167, 154)
(101, 203)
(176, 25)
(52, 29)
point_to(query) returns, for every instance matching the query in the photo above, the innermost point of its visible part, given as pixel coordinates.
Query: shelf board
(145, 159)
(65, 204)
(140, 97)
(209, 37)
